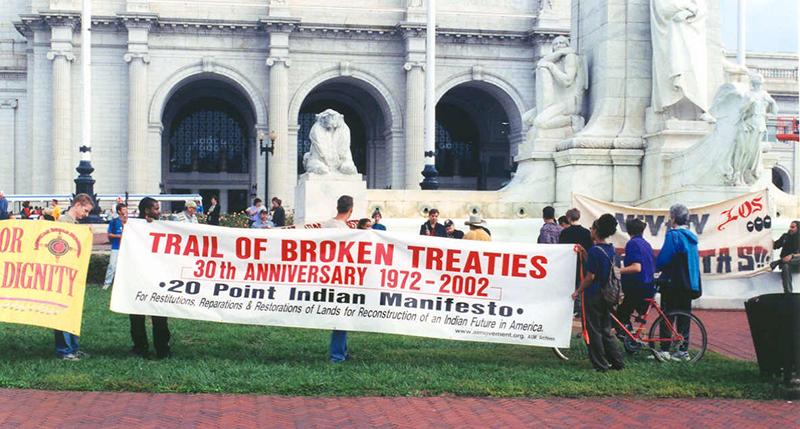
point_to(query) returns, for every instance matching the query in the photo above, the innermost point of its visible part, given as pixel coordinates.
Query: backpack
(611, 289)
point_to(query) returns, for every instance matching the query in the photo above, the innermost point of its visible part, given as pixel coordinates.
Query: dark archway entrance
(364, 116)
(472, 139)
(208, 143)
(781, 180)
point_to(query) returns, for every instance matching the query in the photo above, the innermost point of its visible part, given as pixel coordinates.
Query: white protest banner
(355, 280)
(734, 236)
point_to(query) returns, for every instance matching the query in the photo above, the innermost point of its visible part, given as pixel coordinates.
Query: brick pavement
(42, 409)
(728, 333)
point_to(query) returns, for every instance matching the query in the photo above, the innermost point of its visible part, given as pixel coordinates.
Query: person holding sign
(344, 208)
(149, 210)
(67, 347)
(603, 351)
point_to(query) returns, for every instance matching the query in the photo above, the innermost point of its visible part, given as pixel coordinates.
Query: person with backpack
(598, 290)
(679, 264)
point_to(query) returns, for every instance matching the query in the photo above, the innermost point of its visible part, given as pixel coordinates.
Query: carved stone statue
(731, 154)
(330, 146)
(678, 33)
(745, 165)
(560, 84)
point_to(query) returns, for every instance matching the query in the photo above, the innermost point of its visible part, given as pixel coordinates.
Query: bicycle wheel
(690, 348)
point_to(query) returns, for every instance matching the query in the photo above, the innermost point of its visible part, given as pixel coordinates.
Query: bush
(98, 264)
(235, 220)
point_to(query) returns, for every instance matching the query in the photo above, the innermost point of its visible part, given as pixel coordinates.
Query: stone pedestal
(606, 174)
(315, 196)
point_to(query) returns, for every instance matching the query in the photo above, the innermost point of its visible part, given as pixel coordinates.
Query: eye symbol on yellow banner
(57, 244)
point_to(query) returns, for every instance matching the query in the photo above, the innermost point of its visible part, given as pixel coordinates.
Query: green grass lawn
(216, 357)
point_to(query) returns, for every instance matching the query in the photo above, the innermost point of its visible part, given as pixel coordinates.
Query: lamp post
(430, 182)
(84, 183)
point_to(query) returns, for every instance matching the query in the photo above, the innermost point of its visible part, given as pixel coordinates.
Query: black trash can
(775, 326)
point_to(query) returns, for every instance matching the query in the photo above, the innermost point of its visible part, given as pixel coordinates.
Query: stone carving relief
(731, 154)
(680, 70)
(561, 80)
(330, 146)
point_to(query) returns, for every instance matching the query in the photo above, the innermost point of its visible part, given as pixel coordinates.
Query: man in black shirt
(575, 233)
(789, 243)
(432, 227)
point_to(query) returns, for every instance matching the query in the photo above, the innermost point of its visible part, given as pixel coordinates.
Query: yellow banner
(43, 268)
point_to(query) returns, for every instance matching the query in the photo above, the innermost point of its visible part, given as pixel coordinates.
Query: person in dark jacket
(432, 227)
(376, 221)
(603, 351)
(451, 230)
(278, 213)
(576, 234)
(149, 210)
(678, 259)
(213, 211)
(789, 243)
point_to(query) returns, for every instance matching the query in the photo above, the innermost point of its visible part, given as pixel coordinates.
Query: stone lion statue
(330, 146)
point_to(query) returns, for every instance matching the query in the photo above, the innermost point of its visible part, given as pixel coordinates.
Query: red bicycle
(675, 336)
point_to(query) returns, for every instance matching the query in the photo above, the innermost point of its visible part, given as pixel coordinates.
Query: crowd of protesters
(677, 263)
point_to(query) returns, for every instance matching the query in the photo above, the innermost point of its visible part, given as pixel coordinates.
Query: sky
(772, 25)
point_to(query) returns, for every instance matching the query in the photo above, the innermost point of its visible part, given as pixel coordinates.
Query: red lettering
(537, 263)
(757, 206)
(344, 252)
(452, 260)
(384, 253)
(191, 246)
(492, 258)
(288, 250)
(259, 247)
(156, 238)
(434, 259)
(415, 251)
(473, 263)
(364, 252)
(243, 248)
(11, 240)
(307, 251)
(518, 265)
(173, 245)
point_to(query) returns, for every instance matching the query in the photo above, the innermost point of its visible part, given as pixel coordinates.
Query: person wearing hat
(262, 222)
(188, 215)
(451, 230)
(477, 230)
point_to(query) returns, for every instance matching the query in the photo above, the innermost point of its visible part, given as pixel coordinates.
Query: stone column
(62, 149)
(137, 123)
(415, 124)
(140, 174)
(278, 165)
(9, 145)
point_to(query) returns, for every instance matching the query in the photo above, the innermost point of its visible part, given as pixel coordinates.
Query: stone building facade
(184, 91)
(187, 94)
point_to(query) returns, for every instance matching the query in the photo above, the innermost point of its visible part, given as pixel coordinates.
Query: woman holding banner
(603, 351)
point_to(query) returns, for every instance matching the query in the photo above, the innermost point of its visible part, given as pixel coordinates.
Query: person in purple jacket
(550, 231)
(637, 273)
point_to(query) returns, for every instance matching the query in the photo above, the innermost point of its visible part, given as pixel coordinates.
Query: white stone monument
(330, 172)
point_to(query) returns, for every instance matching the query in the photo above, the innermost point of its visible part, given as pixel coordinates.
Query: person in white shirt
(189, 213)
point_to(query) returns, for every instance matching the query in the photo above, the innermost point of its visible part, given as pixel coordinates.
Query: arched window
(209, 138)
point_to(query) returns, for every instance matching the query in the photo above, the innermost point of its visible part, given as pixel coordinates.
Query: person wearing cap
(376, 221)
(477, 229)
(188, 215)
(451, 230)
(262, 221)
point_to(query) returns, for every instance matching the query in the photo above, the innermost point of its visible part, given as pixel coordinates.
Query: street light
(271, 146)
